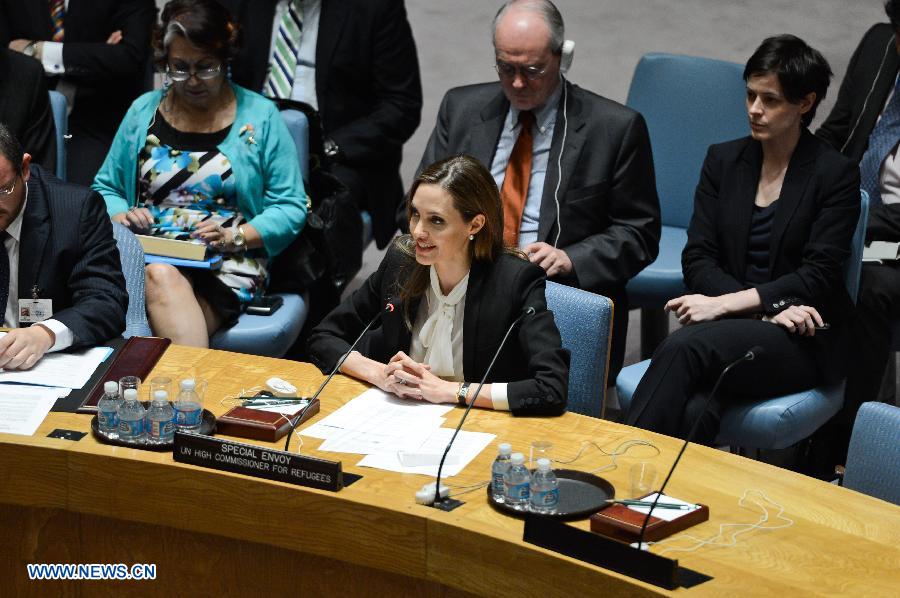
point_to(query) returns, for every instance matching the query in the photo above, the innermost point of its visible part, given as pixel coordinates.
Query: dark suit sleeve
(397, 99)
(545, 391)
(436, 148)
(631, 241)
(96, 283)
(700, 260)
(333, 336)
(829, 241)
(836, 128)
(101, 61)
(39, 135)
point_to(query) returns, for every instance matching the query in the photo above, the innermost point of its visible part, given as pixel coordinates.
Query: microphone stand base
(447, 504)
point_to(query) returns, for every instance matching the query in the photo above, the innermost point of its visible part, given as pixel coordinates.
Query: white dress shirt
(64, 336)
(52, 61)
(304, 89)
(889, 176)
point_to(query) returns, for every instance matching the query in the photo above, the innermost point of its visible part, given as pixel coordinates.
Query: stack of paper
(27, 396)
(397, 435)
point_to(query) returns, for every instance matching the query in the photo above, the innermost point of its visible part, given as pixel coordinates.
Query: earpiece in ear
(568, 55)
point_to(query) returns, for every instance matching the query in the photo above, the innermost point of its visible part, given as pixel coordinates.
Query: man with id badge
(61, 282)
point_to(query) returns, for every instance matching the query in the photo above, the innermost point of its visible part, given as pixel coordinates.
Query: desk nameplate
(257, 461)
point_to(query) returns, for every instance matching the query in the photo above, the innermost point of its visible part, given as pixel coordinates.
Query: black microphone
(299, 417)
(750, 355)
(437, 484)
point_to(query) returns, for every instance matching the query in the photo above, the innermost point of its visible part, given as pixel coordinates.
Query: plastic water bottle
(108, 410)
(544, 488)
(160, 419)
(516, 482)
(131, 417)
(188, 408)
(498, 470)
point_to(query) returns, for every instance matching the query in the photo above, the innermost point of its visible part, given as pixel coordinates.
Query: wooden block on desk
(255, 424)
(622, 523)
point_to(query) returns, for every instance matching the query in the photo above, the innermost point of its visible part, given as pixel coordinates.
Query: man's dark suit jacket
(25, 107)
(533, 361)
(864, 91)
(609, 209)
(108, 77)
(607, 196)
(68, 252)
(367, 88)
(815, 217)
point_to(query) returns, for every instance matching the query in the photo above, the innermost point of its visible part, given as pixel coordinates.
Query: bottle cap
(130, 394)
(517, 459)
(110, 387)
(187, 384)
(543, 465)
(505, 449)
(161, 395)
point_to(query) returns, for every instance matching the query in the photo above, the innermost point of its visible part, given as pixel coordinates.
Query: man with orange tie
(575, 169)
(95, 53)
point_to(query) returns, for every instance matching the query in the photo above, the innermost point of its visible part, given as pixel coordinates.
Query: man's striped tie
(283, 62)
(57, 12)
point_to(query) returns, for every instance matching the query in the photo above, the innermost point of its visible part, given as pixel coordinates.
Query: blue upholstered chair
(584, 320)
(778, 422)
(59, 107)
(131, 255)
(689, 103)
(872, 462)
(274, 334)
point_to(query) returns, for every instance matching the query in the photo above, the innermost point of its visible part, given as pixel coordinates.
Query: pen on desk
(273, 403)
(649, 503)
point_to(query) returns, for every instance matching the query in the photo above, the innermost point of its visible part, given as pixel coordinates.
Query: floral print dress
(184, 179)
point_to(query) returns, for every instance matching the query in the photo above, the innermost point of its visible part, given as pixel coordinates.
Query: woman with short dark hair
(774, 215)
(205, 159)
(455, 291)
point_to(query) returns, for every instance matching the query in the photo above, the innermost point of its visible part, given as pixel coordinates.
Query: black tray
(207, 428)
(581, 495)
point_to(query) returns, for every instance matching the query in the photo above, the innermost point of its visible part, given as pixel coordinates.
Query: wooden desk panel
(373, 538)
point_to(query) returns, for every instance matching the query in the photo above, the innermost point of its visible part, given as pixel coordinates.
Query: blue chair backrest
(853, 266)
(131, 255)
(689, 103)
(872, 461)
(298, 125)
(584, 320)
(59, 107)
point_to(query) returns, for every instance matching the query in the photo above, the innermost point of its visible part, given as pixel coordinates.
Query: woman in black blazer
(455, 292)
(774, 215)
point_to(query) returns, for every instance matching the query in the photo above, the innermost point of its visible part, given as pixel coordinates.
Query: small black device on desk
(264, 305)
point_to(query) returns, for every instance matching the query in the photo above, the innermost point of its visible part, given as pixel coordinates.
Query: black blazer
(108, 77)
(68, 252)
(533, 361)
(367, 86)
(864, 91)
(609, 209)
(814, 222)
(25, 107)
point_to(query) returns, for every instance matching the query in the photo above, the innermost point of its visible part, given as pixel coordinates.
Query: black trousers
(685, 366)
(878, 305)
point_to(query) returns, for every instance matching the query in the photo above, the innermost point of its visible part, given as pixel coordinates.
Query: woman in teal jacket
(206, 160)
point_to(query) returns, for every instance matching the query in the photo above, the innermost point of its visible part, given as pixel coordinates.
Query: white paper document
(466, 447)
(665, 514)
(23, 408)
(397, 434)
(378, 405)
(68, 370)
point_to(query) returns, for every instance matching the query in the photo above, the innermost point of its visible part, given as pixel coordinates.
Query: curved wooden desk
(215, 533)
